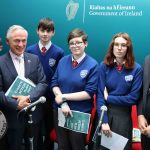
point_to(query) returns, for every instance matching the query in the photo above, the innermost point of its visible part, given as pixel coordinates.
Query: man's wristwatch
(64, 100)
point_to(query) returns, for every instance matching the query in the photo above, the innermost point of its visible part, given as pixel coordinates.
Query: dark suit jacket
(144, 103)
(8, 73)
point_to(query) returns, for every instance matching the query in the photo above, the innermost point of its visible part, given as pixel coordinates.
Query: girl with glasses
(74, 87)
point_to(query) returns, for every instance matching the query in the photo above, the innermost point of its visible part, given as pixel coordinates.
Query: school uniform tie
(43, 50)
(119, 67)
(74, 63)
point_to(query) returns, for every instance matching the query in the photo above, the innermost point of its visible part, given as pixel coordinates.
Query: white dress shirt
(47, 46)
(18, 63)
(80, 59)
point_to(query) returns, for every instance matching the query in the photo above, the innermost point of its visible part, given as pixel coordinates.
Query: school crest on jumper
(52, 62)
(129, 78)
(83, 73)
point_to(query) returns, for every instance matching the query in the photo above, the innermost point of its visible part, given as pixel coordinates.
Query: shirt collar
(14, 56)
(79, 59)
(47, 46)
(115, 61)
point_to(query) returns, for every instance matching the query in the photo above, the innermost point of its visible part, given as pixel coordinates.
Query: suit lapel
(10, 65)
(27, 63)
(12, 69)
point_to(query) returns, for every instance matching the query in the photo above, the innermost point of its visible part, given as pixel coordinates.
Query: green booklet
(20, 86)
(79, 122)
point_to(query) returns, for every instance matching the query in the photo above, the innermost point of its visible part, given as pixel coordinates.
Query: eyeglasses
(122, 45)
(78, 44)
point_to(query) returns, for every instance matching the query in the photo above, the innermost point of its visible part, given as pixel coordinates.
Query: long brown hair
(129, 57)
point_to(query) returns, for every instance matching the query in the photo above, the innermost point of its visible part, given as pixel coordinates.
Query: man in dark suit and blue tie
(28, 67)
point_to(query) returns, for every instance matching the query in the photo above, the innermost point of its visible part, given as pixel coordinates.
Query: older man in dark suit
(17, 62)
(144, 107)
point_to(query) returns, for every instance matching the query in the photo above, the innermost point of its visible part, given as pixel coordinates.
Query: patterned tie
(20, 68)
(43, 50)
(74, 63)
